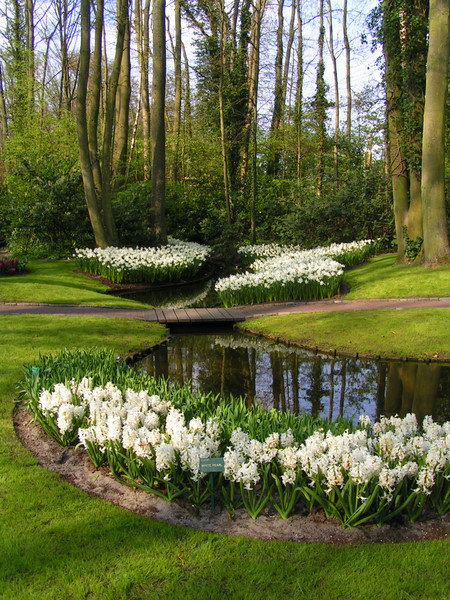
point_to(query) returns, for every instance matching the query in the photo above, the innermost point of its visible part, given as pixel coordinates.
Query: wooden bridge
(167, 316)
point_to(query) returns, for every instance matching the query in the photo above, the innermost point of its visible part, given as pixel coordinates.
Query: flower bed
(153, 436)
(12, 266)
(279, 274)
(173, 262)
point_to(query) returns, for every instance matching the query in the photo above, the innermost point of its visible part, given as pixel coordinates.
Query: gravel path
(247, 311)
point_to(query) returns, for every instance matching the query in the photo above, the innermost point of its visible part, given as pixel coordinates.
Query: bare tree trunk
(158, 120)
(223, 140)
(336, 98)
(30, 60)
(253, 83)
(187, 95)
(109, 120)
(272, 166)
(348, 131)
(142, 27)
(177, 103)
(95, 96)
(320, 106)
(395, 122)
(286, 69)
(82, 129)
(435, 228)
(3, 114)
(299, 91)
(121, 128)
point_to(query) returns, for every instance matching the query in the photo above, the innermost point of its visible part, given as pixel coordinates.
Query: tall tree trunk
(187, 95)
(82, 129)
(3, 114)
(299, 92)
(122, 116)
(252, 84)
(109, 120)
(286, 70)
(320, 106)
(30, 61)
(336, 98)
(158, 120)
(251, 125)
(435, 228)
(348, 130)
(177, 100)
(395, 121)
(142, 27)
(272, 166)
(95, 90)
(223, 135)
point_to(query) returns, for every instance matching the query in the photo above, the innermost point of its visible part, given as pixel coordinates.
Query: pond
(287, 378)
(200, 294)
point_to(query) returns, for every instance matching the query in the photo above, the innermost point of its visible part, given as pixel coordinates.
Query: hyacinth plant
(153, 435)
(178, 260)
(283, 273)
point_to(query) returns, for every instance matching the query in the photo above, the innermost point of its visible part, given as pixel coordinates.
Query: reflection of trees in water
(410, 387)
(316, 389)
(297, 381)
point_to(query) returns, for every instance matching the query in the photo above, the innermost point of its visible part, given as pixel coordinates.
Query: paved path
(230, 315)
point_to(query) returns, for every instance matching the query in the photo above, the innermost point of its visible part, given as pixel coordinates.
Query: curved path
(205, 315)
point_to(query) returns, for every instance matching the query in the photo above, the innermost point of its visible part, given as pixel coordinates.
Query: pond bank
(358, 316)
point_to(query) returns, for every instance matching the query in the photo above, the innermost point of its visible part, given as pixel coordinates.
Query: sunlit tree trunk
(336, 98)
(122, 112)
(90, 192)
(395, 120)
(299, 91)
(348, 130)
(435, 228)
(177, 99)
(142, 28)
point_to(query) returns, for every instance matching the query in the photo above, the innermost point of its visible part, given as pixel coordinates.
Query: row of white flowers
(160, 263)
(284, 269)
(260, 251)
(373, 472)
(282, 273)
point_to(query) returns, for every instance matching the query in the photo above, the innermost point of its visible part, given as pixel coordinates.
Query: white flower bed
(170, 262)
(374, 473)
(283, 273)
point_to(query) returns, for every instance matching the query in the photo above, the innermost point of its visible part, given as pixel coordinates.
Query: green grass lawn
(381, 277)
(57, 282)
(414, 332)
(418, 333)
(57, 542)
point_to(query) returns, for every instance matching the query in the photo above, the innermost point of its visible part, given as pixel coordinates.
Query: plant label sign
(212, 465)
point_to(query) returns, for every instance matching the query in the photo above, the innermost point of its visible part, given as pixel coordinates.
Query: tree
(320, 105)
(97, 175)
(158, 120)
(404, 34)
(435, 230)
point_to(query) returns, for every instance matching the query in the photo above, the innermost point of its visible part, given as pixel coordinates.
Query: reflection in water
(292, 379)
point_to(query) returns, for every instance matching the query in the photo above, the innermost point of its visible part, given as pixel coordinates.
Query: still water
(287, 378)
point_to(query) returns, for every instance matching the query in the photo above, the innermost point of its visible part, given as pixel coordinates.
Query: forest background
(296, 121)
